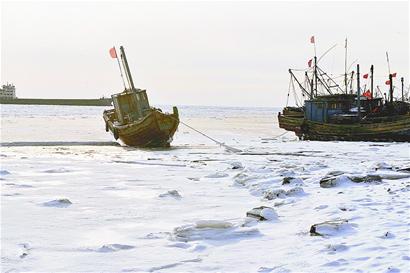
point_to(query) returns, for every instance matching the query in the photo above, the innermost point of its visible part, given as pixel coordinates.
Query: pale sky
(193, 53)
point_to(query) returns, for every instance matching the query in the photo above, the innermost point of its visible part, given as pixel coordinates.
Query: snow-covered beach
(74, 201)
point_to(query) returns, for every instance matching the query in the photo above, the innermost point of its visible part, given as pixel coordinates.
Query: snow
(69, 204)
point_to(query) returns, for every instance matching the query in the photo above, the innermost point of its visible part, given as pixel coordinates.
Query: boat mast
(371, 79)
(402, 89)
(358, 91)
(126, 67)
(315, 74)
(351, 82)
(391, 87)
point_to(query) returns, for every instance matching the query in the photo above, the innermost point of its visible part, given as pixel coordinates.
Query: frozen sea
(73, 200)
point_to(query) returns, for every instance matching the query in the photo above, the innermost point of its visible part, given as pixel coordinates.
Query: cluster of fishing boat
(327, 110)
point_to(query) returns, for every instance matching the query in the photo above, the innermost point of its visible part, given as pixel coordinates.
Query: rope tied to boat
(227, 147)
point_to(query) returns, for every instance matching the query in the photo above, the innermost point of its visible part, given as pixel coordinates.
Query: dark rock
(407, 170)
(287, 179)
(335, 173)
(330, 179)
(328, 182)
(367, 178)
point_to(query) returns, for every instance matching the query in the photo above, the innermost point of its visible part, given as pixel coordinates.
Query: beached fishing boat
(332, 113)
(133, 120)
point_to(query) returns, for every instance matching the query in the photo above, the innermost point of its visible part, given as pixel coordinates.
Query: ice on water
(73, 201)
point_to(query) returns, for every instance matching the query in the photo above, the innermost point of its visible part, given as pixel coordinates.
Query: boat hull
(395, 128)
(156, 129)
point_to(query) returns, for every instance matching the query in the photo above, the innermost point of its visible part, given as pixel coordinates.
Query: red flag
(310, 63)
(367, 94)
(388, 82)
(113, 53)
(394, 74)
(312, 39)
(365, 76)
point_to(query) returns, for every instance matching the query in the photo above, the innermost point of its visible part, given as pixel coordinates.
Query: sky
(194, 53)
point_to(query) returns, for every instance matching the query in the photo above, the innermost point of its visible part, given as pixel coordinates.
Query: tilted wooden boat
(135, 122)
(339, 115)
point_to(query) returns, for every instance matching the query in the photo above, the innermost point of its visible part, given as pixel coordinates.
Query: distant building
(8, 91)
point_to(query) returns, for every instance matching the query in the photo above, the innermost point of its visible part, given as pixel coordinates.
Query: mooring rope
(229, 148)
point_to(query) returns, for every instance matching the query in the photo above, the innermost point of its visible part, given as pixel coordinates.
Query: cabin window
(335, 105)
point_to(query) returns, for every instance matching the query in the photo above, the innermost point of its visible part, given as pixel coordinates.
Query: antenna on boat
(346, 65)
(327, 51)
(388, 62)
(126, 67)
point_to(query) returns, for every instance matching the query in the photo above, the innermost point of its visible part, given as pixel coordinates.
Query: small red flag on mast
(388, 82)
(365, 76)
(310, 63)
(368, 94)
(113, 53)
(394, 74)
(312, 39)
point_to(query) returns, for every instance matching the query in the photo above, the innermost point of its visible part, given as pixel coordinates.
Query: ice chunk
(212, 230)
(213, 224)
(113, 248)
(4, 172)
(58, 170)
(172, 193)
(236, 165)
(273, 194)
(217, 175)
(59, 203)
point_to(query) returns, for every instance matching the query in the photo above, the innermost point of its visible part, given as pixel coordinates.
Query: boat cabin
(130, 105)
(321, 108)
(339, 108)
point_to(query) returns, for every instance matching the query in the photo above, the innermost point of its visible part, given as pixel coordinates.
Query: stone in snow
(367, 178)
(328, 228)
(262, 213)
(330, 179)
